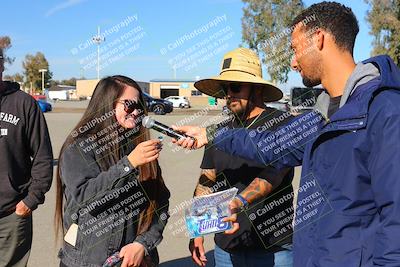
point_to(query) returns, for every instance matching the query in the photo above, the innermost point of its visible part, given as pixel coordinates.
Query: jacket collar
(358, 102)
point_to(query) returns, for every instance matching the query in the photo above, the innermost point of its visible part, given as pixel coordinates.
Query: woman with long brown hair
(116, 202)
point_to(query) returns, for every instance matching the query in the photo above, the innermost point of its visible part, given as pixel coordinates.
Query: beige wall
(201, 100)
(155, 88)
(198, 101)
(85, 87)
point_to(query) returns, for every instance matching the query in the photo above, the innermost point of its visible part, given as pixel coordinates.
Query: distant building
(85, 88)
(62, 92)
(163, 88)
(158, 88)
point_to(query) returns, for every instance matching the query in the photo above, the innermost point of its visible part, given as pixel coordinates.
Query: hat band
(239, 71)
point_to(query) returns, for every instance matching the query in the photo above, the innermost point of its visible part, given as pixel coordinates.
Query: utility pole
(97, 39)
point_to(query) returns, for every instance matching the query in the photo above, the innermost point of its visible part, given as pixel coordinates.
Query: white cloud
(62, 6)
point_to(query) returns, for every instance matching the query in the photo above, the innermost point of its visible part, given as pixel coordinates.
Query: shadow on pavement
(187, 262)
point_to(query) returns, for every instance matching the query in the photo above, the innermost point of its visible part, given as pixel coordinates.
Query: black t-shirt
(334, 105)
(238, 172)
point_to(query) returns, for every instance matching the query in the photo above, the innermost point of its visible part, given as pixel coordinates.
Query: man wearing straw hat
(241, 84)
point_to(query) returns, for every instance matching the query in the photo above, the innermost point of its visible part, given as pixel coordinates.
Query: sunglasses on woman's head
(131, 105)
(234, 87)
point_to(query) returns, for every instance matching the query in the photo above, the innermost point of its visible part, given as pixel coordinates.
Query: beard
(309, 82)
(314, 67)
(239, 110)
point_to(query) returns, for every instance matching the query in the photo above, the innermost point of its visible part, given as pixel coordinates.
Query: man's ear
(319, 39)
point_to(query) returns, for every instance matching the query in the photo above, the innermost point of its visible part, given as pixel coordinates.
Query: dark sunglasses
(234, 87)
(131, 105)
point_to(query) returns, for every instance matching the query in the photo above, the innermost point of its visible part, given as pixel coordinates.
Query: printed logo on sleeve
(10, 118)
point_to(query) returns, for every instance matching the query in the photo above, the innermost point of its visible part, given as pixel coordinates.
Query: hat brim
(213, 86)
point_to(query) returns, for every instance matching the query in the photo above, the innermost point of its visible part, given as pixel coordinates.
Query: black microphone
(164, 129)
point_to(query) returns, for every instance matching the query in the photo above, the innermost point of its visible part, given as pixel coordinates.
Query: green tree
(5, 44)
(53, 83)
(265, 28)
(17, 77)
(70, 82)
(32, 64)
(384, 17)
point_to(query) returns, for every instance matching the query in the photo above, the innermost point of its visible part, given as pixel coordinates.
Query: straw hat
(240, 65)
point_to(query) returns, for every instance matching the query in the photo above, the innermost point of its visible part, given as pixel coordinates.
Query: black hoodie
(26, 158)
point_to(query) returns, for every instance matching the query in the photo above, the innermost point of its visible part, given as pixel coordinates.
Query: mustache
(231, 99)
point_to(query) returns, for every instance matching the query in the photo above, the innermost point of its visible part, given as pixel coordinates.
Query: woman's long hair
(103, 101)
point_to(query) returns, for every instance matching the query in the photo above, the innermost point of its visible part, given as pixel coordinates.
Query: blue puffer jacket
(348, 206)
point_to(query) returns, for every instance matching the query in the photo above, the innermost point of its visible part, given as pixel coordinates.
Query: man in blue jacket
(348, 207)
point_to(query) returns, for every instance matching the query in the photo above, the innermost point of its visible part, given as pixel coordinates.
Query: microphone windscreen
(147, 122)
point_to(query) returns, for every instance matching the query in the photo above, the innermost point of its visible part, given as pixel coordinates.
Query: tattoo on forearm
(257, 189)
(206, 181)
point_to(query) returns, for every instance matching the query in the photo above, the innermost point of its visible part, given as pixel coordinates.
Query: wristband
(243, 200)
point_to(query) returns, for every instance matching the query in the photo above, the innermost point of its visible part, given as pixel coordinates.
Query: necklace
(247, 127)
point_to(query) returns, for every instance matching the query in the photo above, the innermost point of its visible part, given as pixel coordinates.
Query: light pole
(174, 68)
(43, 71)
(97, 39)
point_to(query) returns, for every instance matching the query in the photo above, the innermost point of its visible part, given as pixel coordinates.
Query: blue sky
(144, 38)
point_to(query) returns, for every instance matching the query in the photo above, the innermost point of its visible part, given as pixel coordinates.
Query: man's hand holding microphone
(199, 134)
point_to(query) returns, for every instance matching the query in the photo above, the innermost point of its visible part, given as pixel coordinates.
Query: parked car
(158, 106)
(282, 106)
(44, 106)
(304, 98)
(39, 97)
(179, 101)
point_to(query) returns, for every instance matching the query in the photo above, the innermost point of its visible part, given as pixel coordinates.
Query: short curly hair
(335, 18)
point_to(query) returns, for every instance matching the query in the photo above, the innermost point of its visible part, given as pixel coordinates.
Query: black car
(156, 105)
(304, 98)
